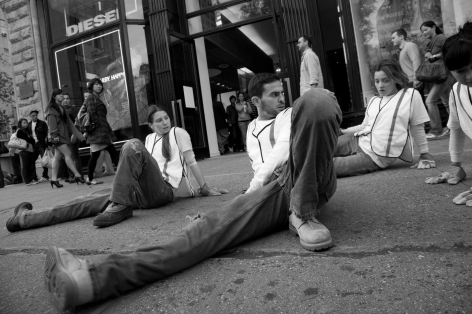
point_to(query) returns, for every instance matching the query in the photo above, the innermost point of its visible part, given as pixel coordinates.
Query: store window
(374, 21)
(141, 67)
(135, 9)
(230, 15)
(98, 55)
(74, 18)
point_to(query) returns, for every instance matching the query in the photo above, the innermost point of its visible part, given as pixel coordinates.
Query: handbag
(48, 157)
(435, 72)
(17, 143)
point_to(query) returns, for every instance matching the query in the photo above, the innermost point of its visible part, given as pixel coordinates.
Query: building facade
(180, 53)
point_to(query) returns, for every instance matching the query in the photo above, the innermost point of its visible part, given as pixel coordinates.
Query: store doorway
(234, 56)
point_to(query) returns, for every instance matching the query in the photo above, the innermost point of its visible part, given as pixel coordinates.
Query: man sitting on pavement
(305, 183)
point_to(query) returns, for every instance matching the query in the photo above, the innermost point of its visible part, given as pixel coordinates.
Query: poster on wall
(375, 20)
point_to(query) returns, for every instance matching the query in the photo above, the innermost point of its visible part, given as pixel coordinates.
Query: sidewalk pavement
(401, 246)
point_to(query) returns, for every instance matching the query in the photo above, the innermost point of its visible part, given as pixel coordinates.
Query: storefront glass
(134, 9)
(99, 56)
(374, 21)
(73, 18)
(230, 15)
(196, 5)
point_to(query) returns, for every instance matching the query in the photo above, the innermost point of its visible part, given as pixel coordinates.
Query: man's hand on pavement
(453, 176)
(426, 161)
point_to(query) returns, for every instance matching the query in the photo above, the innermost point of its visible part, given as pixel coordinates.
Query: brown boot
(313, 235)
(67, 279)
(13, 223)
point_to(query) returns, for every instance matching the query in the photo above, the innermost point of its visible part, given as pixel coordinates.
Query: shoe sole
(311, 247)
(59, 283)
(108, 223)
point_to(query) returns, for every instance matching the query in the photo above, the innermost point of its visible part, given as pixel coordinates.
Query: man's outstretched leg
(316, 117)
(81, 207)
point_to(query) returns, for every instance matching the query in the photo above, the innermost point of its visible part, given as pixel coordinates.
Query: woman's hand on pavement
(453, 176)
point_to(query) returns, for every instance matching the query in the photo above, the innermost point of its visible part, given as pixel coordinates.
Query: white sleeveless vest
(463, 104)
(390, 135)
(173, 171)
(260, 144)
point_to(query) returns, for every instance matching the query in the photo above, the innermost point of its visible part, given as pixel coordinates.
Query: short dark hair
(14, 128)
(307, 38)
(401, 32)
(392, 68)
(430, 24)
(93, 82)
(34, 110)
(64, 93)
(232, 98)
(457, 50)
(256, 84)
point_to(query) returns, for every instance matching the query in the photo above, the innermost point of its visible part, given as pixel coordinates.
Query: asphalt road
(401, 246)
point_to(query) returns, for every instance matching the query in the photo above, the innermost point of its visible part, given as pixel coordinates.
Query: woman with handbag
(26, 154)
(439, 92)
(98, 130)
(60, 130)
(244, 116)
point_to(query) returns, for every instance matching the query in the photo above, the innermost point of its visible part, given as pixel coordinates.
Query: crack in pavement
(248, 254)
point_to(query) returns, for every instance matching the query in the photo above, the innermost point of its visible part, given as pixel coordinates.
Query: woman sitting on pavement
(138, 183)
(61, 129)
(26, 156)
(385, 134)
(457, 55)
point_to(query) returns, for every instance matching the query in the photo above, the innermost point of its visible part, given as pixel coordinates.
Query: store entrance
(234, 56)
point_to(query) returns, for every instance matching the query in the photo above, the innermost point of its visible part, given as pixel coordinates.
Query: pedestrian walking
(26, 156)
(222, 133)
(310, 68)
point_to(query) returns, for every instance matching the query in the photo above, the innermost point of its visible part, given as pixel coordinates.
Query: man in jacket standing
(39, 130)
(221, 125)
(310, 69)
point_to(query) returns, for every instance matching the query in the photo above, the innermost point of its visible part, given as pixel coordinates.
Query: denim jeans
(27, 166)
(38, 151)
(350, 159)
(138, 182)
(243, 127)
(307, 181)
(439, 93)
(222, 136)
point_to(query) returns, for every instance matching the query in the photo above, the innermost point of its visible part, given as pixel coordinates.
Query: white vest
(463, 104)
(390, 132)
(259, 145)
(174, 170)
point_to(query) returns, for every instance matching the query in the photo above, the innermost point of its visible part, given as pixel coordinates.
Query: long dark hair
(52, 101)
(457, 50)
(166, 152)
(20, 122)
(430, 24)
(392, 68)
(93, 82)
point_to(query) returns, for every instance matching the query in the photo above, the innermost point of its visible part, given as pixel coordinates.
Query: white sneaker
(313, 235)
(43, 179)
(446, 131)
(33, 182)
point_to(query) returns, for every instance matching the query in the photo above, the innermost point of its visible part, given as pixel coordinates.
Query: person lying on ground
(305, 183)
(138, 183)
(391, 119)
(457, 55)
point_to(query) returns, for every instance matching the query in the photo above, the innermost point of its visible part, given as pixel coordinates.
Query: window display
(375, 20)
(98, 56)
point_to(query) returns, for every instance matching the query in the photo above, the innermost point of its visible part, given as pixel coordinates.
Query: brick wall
(18, 20)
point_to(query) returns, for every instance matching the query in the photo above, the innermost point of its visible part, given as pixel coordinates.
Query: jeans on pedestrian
(38, 151)
(138, 182)
(26, 159)
(74, 148)
(235, 137)
(307, 181)
(243, 128)
(439, 93)
(222, 136)
(350, 159)
(16, 165)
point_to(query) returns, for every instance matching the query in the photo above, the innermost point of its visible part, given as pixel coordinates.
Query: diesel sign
(92, 23)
